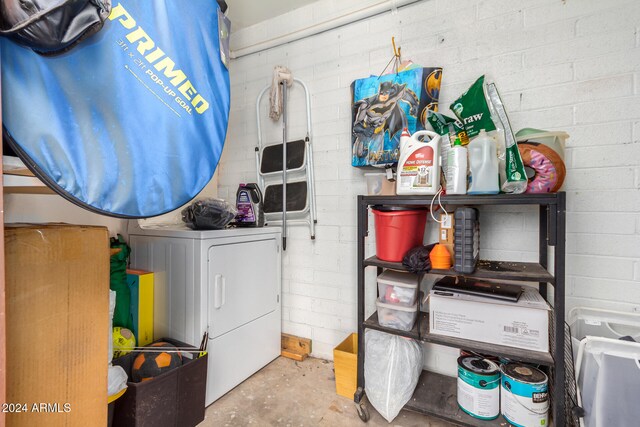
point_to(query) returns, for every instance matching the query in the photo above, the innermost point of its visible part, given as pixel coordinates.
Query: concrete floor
(291, 394)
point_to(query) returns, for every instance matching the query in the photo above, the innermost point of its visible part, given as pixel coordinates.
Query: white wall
(42, 208)
(560, 65)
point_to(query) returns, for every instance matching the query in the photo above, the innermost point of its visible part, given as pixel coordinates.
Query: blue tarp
(131, 123)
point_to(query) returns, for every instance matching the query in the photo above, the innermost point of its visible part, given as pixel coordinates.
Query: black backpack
(52, 27)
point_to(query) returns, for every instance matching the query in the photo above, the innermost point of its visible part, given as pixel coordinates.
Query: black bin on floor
(173, 399)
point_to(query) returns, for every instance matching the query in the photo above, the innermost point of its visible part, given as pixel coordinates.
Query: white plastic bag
(117, 380)
(117, 377)
(112, 308)
(392, 367)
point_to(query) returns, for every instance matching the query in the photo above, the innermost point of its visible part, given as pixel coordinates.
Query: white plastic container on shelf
(483, 164)
(379, 185)
(397, 287)
(396, 316)
(557, 141)
(419, 164)
(456, 176)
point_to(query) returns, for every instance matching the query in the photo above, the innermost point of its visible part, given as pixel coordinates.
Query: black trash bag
(208, 214)
(52, 27)
(417, 259)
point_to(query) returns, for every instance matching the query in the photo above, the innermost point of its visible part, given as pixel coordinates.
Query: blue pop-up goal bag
(131, 122)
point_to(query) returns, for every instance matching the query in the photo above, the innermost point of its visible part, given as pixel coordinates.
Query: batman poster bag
(383, 106)
(131, 122)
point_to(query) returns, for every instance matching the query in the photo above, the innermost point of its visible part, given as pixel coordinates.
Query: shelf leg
(362, 232)
(543, 248)
(559, 308)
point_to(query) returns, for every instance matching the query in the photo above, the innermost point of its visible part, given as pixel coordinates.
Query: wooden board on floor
(292, 355)
(295, 348)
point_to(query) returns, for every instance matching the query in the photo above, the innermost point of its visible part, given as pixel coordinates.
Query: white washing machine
(226, 282)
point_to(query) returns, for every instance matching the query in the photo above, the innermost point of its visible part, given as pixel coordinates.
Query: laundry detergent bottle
(249, 204)
(419, 165)
(483, 164)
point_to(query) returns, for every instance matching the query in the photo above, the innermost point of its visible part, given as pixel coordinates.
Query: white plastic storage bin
(396, 316)
(396, 287)
(595, 322)
(608, 380)
(586, 321)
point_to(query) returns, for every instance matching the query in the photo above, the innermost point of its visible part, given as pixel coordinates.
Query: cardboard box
(524, 324)
(173, 399)
(446, 237)
(57, 315)
(345, 363)
(141, 286)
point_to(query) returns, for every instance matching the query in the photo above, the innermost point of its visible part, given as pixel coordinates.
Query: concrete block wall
(570, 65)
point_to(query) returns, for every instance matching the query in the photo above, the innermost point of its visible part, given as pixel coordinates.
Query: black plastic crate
(173, 399)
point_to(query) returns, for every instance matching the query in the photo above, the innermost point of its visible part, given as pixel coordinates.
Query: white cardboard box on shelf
(524, 324)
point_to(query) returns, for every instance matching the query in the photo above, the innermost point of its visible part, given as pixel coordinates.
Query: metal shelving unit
(435, 393)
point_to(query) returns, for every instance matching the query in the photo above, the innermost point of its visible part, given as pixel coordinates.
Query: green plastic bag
(472, 110)
(444, 125)
(118, 282)
(481, 107)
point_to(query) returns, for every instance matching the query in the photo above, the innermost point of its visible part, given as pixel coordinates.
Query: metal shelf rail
(433, 395)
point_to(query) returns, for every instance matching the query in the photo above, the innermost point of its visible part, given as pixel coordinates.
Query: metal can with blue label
(524, 395)
(478, 387)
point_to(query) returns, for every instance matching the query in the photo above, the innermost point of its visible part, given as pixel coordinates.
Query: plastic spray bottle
(457, 169)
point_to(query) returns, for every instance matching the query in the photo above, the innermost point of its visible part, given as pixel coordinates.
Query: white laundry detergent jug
(483, 164)
(419, 164)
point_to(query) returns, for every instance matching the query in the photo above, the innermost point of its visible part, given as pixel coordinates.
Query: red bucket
(397, 231)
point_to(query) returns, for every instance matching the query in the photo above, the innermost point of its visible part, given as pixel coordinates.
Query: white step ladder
(297, 155)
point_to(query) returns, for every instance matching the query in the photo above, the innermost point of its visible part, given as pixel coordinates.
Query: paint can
(504, 360)
(495, 359)
(478, 387)
(524, 395)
